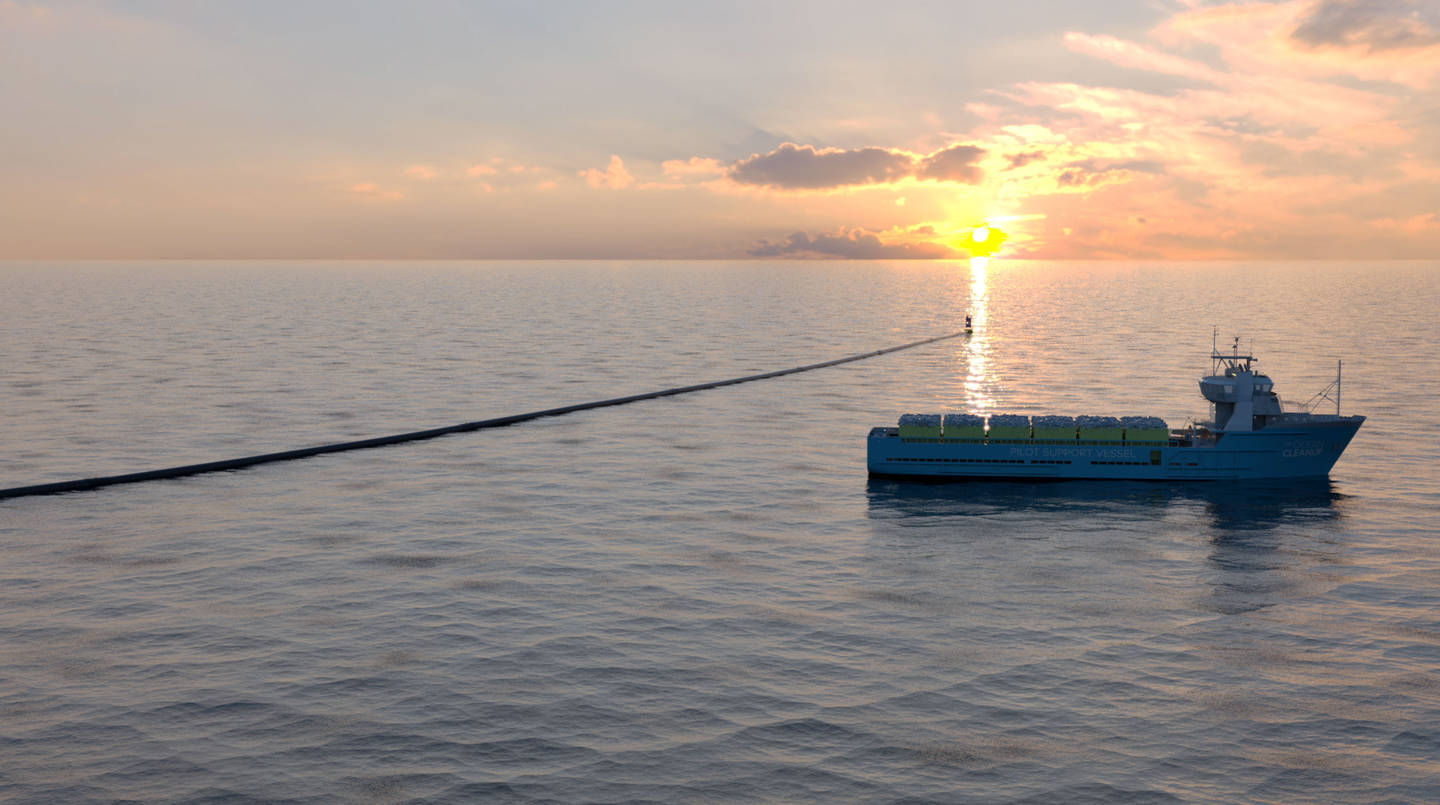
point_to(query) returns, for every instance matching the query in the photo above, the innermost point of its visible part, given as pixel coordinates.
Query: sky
(1130, 129)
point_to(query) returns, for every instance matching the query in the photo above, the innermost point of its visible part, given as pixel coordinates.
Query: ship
(1249, 435)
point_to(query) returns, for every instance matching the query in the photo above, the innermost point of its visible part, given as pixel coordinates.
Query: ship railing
(1297, 417)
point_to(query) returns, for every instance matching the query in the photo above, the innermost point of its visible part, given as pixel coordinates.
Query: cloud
(1139, 57)
(507, 175)
(953, 164)
(615, 176)
(1374, 25)
(694, 166)
(1024, 158)
(374, 192)
(1233, 156)
(13, 14)
(1395, 41)
(39, 17)
(796, 167)
(1273, 123)
(1233, 128)
(854, 244)
(1090, 173)
(1423, 223)
(804, 167)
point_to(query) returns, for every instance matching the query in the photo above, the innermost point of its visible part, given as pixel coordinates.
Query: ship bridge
(1242, 398)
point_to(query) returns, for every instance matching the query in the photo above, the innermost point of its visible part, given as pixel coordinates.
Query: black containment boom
(83, 484)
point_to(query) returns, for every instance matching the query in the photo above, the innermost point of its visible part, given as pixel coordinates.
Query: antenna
(1324, 394)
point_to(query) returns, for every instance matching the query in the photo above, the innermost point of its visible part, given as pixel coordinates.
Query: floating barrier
(83, 484)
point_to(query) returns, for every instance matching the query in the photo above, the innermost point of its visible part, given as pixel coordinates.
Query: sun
(983, 240)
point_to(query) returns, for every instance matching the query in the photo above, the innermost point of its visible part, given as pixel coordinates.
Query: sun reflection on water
(977, 396)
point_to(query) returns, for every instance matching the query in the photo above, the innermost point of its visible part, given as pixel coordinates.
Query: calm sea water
(701, 598)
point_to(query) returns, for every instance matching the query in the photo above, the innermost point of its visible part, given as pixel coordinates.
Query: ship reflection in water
(1227, 507)
(1249, 546)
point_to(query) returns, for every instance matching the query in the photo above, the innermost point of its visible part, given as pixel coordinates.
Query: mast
(1338, 364)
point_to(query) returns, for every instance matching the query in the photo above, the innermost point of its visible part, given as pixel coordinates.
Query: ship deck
(1298, 449)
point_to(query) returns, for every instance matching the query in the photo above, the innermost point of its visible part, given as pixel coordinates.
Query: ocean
(702, 598)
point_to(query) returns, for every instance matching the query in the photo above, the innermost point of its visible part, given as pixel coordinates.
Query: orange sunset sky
(1171, 129)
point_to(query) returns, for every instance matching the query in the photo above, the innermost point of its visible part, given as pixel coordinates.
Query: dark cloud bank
(1089, 172)
(855, 245)
(802, 167)
(1376, 24)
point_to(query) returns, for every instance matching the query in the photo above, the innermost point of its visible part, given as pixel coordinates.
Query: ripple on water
(700, 598)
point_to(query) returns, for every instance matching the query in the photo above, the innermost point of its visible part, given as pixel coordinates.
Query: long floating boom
(83, 484)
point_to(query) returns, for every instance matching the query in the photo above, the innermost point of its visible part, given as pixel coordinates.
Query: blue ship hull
(1279, 451)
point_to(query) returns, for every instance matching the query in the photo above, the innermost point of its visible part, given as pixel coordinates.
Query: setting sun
(983, 240)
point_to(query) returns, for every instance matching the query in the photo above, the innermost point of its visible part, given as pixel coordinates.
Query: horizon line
(716, 259)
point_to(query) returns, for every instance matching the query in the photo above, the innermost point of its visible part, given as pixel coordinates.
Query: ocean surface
(702, 598)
